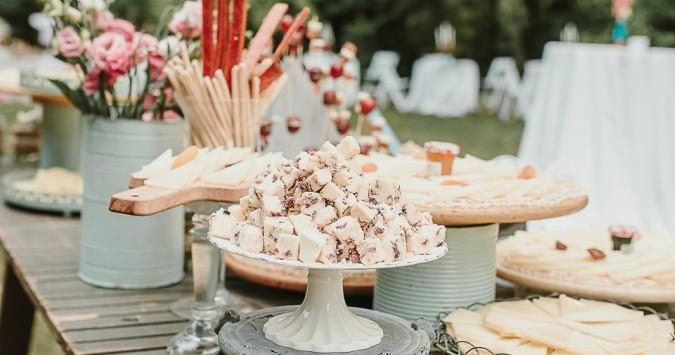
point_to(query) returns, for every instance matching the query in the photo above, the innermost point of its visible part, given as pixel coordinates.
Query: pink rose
(70, 44)
(144, 44)
(149, 101)
(156, 63)
(111, 54)
(188, 20)
(147, 116)
(171, 116)
(123, 27)
(102, 19)
(91, 82)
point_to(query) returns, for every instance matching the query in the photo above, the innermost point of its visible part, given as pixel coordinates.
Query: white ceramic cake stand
(323, 323)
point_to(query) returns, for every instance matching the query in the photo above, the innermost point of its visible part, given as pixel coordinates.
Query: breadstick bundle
(225, 94)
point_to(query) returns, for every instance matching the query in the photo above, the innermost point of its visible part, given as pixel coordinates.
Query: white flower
(73, 15)
(53, 8)
(93, 5)
(169, 46)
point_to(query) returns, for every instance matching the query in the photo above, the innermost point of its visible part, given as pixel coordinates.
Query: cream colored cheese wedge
(159, 165)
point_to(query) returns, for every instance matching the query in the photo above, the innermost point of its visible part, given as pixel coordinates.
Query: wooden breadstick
(264, 34)
(223, 99)
(215, 102)
(235, 106)
(245, 100)
(255, 107)
(223, 28)
(299, 20)
(263, 66)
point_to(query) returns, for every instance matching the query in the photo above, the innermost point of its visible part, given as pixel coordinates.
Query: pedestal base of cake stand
(244, 335)
(323, 323)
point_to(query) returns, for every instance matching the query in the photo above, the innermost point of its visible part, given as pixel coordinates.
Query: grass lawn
(480, 134)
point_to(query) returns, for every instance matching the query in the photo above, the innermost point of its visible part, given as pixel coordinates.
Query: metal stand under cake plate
(245, 336)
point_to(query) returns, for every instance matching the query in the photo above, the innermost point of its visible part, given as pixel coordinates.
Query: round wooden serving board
(294, 278)
(610, 293)
(465, 215)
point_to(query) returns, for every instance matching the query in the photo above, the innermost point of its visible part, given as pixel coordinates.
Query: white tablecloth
(443, 86)
(605, 116)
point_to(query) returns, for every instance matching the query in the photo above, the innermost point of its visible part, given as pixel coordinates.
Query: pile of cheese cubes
(319, 208)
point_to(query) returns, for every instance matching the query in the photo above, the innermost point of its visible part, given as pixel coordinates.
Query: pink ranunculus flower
(102, 19)
(70, 43)
(111, 54)
(188, 20)
(123, 27)
(147, 116)
(91, 82)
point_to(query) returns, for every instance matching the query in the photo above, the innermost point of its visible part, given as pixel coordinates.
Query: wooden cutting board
(577, 288)
(148, 200)
(458, 215)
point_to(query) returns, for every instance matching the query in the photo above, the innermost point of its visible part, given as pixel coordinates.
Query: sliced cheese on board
(158, 166)
(231, 176)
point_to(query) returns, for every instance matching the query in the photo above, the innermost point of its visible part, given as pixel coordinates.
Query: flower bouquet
(120, 69)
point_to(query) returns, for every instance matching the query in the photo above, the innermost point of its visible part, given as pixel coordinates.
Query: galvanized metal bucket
(120, 251)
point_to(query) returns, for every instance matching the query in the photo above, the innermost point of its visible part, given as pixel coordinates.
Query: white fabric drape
(605, 116)
(443, 86)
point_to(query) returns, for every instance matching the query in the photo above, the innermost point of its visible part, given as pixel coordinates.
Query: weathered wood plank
(149, 352)
(120, 321)
(120, 346)
(98, 312)
(123, 333)
(168, 295)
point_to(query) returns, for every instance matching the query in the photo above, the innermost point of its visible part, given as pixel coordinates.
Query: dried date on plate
(560, 245)
(596, 254)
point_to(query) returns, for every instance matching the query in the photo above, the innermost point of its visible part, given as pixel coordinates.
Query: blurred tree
(16, 12)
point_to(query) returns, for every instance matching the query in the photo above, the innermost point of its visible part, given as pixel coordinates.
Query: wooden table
(42, 263)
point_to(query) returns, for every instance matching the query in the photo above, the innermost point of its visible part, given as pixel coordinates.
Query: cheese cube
(361, 188)
(419, 244)
(318, 179)
(376, 228)
(362, 212)
(288, 175)
(433, 232)
(416, 217)
(272, 227)
(236, 212)
(387, 212)
(302, 163)
(244, 204)
(250, 239)
(386, 191)
(393, 248)
(288, 246)
(370, 251)
(311, 202)
(301, 222)
(349, 147)
(311, 245)
(344, 204)
(346, 229)
(343, 177)
(331, 192)
(222, 225)
(270, 185)
(328, 147)
(256, 217)
(325, 216)
(271, 206)
(329, 252)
